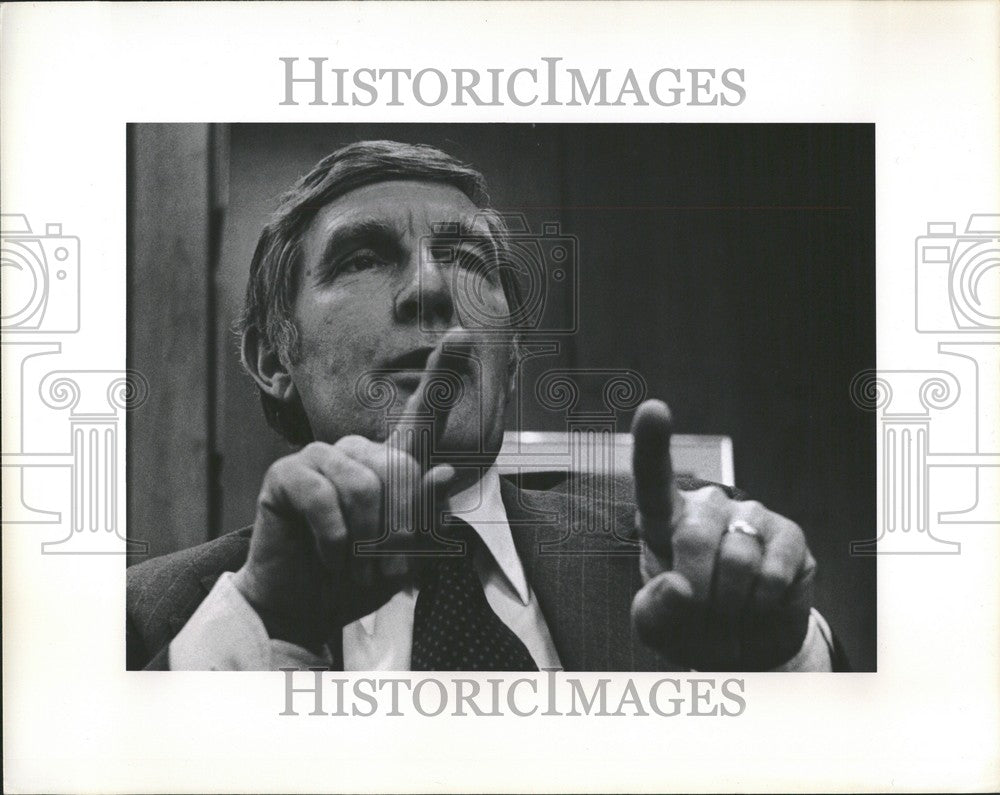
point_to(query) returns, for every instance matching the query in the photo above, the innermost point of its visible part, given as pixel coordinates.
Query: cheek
(326, 377)
(478, 302)
(337, 360)
(339, 335)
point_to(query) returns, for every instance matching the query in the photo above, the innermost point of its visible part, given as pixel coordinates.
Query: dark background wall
(732, 265)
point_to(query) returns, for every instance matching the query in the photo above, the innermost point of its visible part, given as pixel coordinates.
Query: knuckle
(708, 499)
(318, 500)
(311, 508)
(753, 510)
(282, 470)
(704, 494)
(314, 449)
(775, 579)
(794, 540)
(716, 496)
(689, 540)
(350, 444)
(357, 488)
(742, 557)
(365, 483)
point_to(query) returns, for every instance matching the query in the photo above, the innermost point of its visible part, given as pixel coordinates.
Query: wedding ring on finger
(745, 528)
(739, 526)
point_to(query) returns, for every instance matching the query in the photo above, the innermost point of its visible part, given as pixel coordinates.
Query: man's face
(375, 294)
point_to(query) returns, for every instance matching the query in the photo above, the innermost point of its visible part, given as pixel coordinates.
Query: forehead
(409, 207)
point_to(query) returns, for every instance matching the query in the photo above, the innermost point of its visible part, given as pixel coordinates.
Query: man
(351, 290)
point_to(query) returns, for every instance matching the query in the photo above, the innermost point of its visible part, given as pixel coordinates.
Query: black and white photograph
(501, 397)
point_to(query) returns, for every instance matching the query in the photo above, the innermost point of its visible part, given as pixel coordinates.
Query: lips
(456, 358)
(411, 360)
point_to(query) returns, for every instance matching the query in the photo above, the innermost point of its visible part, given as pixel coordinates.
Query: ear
(266, 366)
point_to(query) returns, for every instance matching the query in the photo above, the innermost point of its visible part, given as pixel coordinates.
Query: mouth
(408, 368)
(410, 364)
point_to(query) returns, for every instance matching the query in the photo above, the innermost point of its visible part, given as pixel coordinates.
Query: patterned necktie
(454, 627)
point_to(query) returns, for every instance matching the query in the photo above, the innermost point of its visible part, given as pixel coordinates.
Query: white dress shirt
(226, 634)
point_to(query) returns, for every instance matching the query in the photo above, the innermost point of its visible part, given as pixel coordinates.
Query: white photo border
(925, 74)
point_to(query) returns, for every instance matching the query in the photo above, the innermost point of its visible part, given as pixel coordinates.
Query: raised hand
(728, 584)
(302, 575)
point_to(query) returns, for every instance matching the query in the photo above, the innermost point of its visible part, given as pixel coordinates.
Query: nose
(426, 294)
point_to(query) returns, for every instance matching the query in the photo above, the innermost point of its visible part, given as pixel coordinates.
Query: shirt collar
(481, 506)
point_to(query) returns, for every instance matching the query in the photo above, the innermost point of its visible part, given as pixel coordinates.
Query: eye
(480, 263)
(361, 260)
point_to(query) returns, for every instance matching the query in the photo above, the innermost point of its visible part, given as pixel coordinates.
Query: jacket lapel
(582, 564)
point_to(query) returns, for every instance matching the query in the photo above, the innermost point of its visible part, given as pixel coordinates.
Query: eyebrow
(462, 227)
(355, 231)
(445, 234)
(378, 229)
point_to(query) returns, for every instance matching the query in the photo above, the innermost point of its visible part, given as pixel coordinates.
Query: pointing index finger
(656, 493)
(412, 433)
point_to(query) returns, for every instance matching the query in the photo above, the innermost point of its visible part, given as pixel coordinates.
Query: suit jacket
(575, 537)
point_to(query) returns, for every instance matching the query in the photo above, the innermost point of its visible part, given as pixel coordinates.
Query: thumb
(662, 609)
